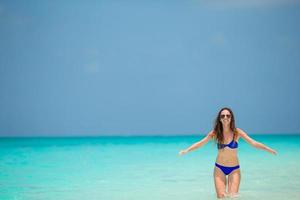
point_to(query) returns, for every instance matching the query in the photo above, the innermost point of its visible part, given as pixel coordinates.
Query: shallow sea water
(134, 168)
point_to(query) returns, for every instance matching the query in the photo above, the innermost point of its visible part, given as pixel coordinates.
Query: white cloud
(92, 67)
(218, 39)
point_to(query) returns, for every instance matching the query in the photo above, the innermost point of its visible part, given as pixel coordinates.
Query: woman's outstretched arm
(255, 143)
(198, 144)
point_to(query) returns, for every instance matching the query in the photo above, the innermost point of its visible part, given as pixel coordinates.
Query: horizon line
(127, 135)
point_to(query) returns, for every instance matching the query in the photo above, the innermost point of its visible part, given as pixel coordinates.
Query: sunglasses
(223, 116)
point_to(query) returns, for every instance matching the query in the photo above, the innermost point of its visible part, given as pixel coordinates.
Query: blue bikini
(232, 145)
(227, 170)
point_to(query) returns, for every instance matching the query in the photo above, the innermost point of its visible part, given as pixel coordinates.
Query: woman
(227, 164)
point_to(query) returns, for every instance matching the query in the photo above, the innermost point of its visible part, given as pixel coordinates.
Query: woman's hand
(272, 151)
(182, 152)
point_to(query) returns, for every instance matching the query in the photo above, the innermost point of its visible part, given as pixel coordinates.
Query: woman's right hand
(272, 151)
(182, 152)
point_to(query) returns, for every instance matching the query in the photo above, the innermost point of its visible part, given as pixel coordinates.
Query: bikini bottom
(227, 170)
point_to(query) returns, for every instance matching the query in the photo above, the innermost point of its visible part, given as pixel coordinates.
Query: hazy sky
(148, 67)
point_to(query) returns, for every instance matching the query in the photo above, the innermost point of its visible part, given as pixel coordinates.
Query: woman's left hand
(182, 152)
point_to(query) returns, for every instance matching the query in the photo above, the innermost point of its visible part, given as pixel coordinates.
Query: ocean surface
(141, 168)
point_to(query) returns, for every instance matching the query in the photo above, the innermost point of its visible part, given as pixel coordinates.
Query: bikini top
(232, 145)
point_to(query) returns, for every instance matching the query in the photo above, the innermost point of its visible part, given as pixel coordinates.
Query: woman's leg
(220, 182)
(234, 179)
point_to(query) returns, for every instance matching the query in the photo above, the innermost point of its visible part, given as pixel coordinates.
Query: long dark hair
(218, 127)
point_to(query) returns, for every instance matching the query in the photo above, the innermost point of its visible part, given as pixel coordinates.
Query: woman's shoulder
(239, 131)
(212, 133)
(237, 134)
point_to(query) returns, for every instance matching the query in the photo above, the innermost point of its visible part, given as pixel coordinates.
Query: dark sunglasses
(223, 116)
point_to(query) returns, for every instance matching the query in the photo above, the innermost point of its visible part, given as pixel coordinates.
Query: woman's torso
(227, 156)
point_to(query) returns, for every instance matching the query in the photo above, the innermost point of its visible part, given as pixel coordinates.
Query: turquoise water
(135, 168)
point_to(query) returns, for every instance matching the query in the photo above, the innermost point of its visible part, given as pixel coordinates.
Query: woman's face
(225, 117)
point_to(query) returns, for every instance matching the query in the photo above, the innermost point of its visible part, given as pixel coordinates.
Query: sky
(89, 68)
